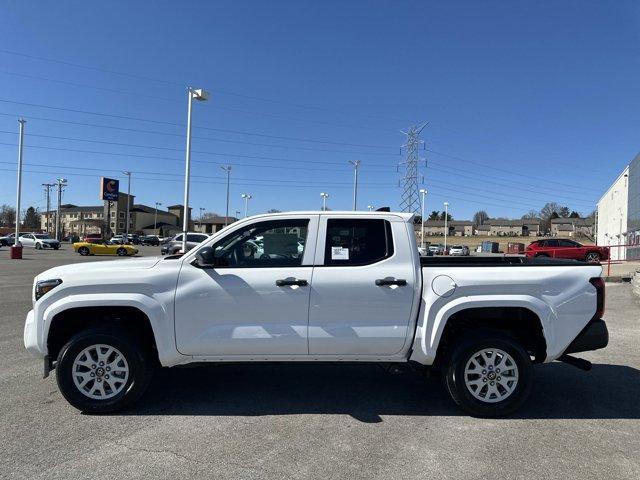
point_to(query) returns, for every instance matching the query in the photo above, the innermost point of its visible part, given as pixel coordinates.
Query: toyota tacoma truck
(315, 287)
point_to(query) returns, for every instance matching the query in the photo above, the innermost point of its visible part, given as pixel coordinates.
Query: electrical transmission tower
(410, 200)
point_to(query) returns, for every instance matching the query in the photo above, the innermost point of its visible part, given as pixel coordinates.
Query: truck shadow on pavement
(369, 392)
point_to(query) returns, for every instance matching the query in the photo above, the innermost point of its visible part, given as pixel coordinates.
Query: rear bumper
(592, 337)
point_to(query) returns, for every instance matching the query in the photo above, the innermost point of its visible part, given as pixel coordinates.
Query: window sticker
(339, 253)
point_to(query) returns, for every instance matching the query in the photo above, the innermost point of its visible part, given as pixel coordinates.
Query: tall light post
(423, 192)
(324, 201)
(201, 96)
(201, 210)
(126, 229)
(155, 218)
(246, 197)
(356, 166)
(227, 169)
(21, 123)
(446, 228)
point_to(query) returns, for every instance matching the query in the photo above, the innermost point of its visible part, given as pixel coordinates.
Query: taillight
(598, 283)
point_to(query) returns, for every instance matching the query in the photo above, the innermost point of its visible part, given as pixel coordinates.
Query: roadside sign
(109, 189)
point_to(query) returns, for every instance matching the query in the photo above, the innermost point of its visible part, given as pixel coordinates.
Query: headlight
(44, 286)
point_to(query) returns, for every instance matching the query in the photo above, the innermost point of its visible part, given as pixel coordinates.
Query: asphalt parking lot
(316, 421)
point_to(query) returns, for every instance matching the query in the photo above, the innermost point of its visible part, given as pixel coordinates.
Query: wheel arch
(140, 314)
(517, 314)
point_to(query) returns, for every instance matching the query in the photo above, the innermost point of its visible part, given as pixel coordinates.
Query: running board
(580, 363)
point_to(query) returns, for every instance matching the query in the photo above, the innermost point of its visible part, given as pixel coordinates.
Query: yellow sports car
(103, 248)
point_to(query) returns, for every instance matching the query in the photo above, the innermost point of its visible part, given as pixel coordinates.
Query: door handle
(291, 281)
(383, 282)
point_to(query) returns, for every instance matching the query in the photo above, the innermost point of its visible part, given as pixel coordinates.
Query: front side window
(276, 243)
(357, 241)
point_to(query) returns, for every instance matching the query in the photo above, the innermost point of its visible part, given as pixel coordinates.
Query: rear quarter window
(352, 242)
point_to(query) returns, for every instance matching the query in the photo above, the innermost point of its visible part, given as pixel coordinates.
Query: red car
(567, 249)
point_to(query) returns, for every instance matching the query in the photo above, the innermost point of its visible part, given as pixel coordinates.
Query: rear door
(363, 287)
(28, 240)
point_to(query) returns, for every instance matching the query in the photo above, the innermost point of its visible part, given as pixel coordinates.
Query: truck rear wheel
(103, 370)
(489, 374)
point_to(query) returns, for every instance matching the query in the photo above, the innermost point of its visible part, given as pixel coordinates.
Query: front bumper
(593, 336)
(31, 335)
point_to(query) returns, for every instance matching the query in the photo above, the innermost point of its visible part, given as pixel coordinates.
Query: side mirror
(205, 258)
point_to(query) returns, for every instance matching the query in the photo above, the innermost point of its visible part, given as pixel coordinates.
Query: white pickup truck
(315, 287)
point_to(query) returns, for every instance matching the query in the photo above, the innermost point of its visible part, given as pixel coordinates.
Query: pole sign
(109, 189)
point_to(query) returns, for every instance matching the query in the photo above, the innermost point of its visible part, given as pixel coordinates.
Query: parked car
(73, 238)
(104, 325)
(152, 240)
(104, 248)
(93, 238)
(436, 249)
(38, 241)
(424, 251)
(8, 240)
(560, 248)
(174, 245)
(459, 250)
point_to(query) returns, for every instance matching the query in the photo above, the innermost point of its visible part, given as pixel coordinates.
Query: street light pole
(423, 192)
(356, 165)
(324, 201)
(200, 95)
(155, 219)
(246, 197)
(202, 209)
(126, 228)
(21, 123)
(227, 169)
(446, 228)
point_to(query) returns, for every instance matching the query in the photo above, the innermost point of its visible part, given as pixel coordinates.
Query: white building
(618, 221)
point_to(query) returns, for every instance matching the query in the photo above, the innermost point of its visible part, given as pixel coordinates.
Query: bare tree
(7, 215)
(530, 215)
(480, 217)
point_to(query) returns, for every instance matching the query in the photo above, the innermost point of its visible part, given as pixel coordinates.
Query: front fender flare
(160, 319)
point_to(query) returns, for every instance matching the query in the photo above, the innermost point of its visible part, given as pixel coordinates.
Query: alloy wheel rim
(491, 375)
(100, 371)
(592, 257)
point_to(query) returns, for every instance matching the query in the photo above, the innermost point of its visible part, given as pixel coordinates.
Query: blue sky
(527, 102)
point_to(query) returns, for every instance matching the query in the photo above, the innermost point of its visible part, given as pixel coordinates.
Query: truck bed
(498, 261)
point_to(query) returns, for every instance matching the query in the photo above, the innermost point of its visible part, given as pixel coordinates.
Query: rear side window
(357, 242)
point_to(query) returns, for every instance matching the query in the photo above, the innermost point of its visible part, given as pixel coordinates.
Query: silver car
(174, 245)
(39, 241)
(459, 250)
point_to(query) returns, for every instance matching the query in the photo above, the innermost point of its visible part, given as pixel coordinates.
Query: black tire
(121, 252)
(454, 374)
(592, 257)
(542, 255)
(138, 359)
(84, 251)
(38, 246)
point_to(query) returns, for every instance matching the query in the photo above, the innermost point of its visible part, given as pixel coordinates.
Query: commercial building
(618, 219)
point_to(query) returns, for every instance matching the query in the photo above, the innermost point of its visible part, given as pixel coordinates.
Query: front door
(255, 301)
(363, 288)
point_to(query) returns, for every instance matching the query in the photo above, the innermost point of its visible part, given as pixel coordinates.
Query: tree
(530, 215)
(273, 210)
(564, 212)
(548, 212)
(449, 217)
(574, 214)
(208, 216)
(435, 215)
(31, 219)
(7, 215)
(480, 217)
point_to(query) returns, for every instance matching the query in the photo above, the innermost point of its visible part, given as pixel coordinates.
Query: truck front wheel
(489, 374)
(102, 370)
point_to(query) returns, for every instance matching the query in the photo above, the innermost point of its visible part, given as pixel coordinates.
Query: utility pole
(227, 169)
(423, 192)
(47, 191)
(409, 201)
(446, 227)
(356, 166)
(126, 228)
(61, 182)
(155, 219)
(246, 197)
(324, 201)
(21, 123)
